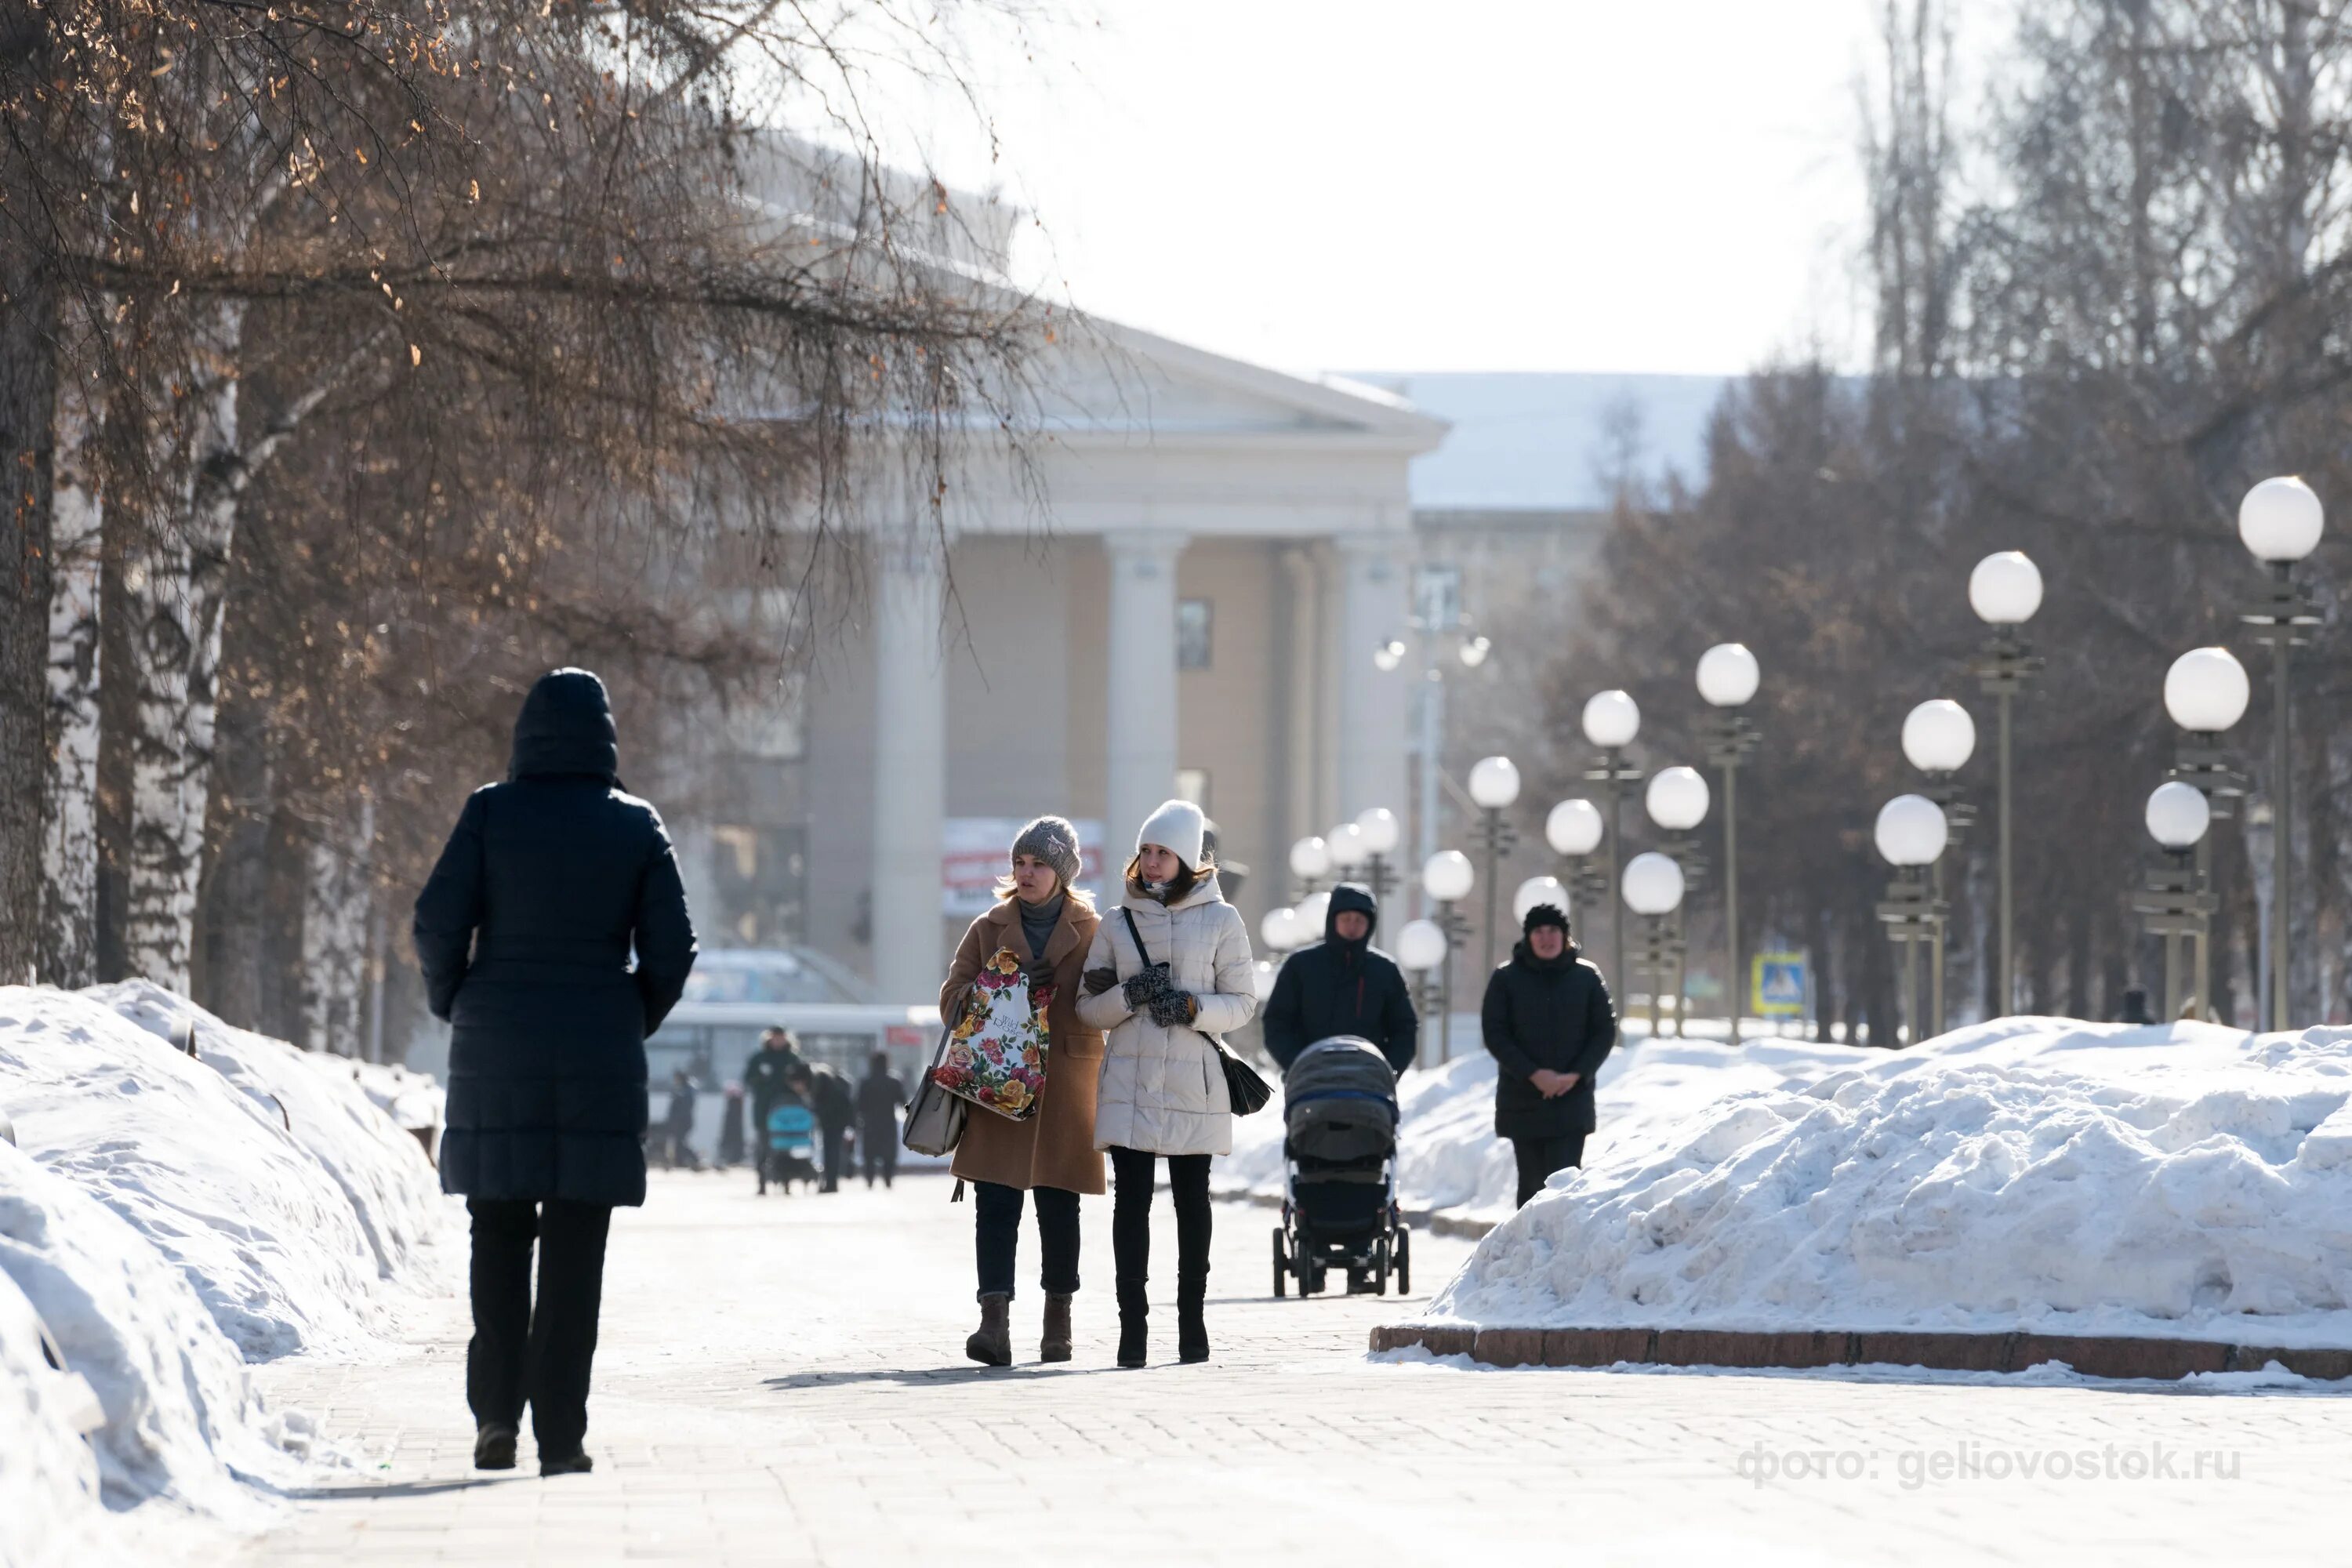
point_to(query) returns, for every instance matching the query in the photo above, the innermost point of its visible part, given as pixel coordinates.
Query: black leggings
(996, 1237)
(1540, 1157)
(1130, 1223)
(539, 1353)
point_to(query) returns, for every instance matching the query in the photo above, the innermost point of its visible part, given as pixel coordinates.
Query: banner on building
(975, 851)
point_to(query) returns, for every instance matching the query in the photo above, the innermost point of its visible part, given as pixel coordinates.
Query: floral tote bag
(995, 1055)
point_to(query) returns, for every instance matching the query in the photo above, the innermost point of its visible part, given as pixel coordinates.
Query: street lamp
(1676, 801)
(1380, 831)
(1437, 626)
(1347, 849)
(1494, 785)
(1313, 913)
(1574, 830)
(1539, 890)
(1262, 974)
(2005, 590)
(1653, 890)
(1280, 929)
(2280, 520)
(1421, 948)
(1727, 679)
(2174, 903)
(1447, 877)
(1911, 834)
(1310, 862)
(2206, 692)
(1938, 739)
(1611, 720)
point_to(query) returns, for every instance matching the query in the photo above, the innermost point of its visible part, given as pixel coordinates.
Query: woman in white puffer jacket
(1163, 1089)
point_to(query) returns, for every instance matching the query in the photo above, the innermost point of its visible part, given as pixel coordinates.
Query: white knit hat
(1176, 826)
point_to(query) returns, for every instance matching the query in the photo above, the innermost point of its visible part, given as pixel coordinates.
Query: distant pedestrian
(730, 1127)
(880, 1093)
(765, 1078)
(1049, 1160)
(1163, 1085)
(836, 1104)
(1341, 986)
(678, 1124)
(548, 883)
(1548, 1021)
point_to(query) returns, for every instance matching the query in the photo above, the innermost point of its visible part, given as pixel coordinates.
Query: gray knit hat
(1054, 841)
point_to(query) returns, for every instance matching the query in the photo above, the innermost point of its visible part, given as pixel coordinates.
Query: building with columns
(1179, 593)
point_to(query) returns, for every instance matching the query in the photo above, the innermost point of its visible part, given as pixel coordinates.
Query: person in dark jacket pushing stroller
(1341, 986)
(1548, 1021)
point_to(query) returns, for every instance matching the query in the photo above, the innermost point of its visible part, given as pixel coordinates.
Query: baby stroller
(1339, 1209)
(790, 1140)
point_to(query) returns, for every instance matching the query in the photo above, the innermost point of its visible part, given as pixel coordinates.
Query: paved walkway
(782, 1382)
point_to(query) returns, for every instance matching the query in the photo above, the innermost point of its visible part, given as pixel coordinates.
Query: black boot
(1191, 1323)
(992, 1343)
(1055, 1344)
(494, 1446)
(1131, 1315)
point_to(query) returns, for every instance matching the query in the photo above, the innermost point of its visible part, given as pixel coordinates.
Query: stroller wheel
(1380, 1267)
(1404, 1260)
(1281, 1265)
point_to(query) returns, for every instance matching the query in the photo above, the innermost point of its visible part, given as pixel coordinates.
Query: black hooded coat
(1546, 1013)
(1341, 987)
(549, 884)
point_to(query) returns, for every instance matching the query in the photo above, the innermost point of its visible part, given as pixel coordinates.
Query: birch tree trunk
(173, 576)
(28, 408)
(336, 929)
(70, 826)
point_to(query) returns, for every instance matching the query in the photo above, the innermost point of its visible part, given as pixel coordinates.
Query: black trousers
(836, 1155)
(536, 1352)
(996, 1237)
(1136, 1174)
(878, 1150)
(1540, 1157)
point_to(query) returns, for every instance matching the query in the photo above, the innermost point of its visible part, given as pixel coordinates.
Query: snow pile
(1449, 1159)
(168, 1217)
(2183, 1180)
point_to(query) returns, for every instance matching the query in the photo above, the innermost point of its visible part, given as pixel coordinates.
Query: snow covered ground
(2184, 1180)
(168, 1217)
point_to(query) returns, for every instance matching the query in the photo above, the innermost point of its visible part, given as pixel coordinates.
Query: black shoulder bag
(1244, 1087)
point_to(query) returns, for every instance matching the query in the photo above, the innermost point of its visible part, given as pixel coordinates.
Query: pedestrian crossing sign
(1777, 986)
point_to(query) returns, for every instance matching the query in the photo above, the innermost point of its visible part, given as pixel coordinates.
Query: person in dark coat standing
(549, 883)
(836, 1104)
(1549, 1022)
(1341, 986)
(766, 1077)
(880, 1093)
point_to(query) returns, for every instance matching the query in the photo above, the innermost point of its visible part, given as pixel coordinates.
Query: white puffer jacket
(1163, 1091)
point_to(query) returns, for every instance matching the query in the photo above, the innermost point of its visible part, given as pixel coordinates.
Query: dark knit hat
(1054, 841)
(1544, 915)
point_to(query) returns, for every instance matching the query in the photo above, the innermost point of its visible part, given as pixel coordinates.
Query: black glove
(1144, 984)
(1097, 981)
(1172, 1009)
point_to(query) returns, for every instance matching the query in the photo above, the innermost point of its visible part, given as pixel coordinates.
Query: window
(1195, 619)
(1192, 784)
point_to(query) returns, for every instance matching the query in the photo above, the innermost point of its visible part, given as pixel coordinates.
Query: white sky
(1664, 185)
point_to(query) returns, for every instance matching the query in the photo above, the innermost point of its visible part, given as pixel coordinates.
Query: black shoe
(575, 1463)
(494, 1447)
(1191, 1335)
(1131, 1339)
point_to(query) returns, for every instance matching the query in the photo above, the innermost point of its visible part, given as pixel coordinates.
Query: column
(1142, 717)
(1301, 759)
(909, 774)
(1372, 703)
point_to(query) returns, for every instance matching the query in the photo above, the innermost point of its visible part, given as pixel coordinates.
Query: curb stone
(2092, 1355)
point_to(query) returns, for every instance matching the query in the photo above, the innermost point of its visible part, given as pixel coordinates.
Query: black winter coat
(525, 931)
(1338, 987)
(765, 1078)
(1553, 1014)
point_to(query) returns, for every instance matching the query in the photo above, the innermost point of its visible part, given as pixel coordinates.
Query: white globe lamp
(1539, 890)
(1279, 929)
(1447, 876)
(1381, 830)
(2205, 691)
(1494, 782)
(2178, 814)
(1652, 884)
(1911, 831)
(1939, 736)
(1611, 719)
(1676, 799)
(1728, 675)
(2005, 589)
(1573, 827)
(1420, 946)
(1261, 977)
(1311, 858)
(2280, 519)
(1313, 913)
(1349, 849)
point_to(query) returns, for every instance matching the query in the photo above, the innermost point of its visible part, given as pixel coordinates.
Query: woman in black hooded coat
(548, 886)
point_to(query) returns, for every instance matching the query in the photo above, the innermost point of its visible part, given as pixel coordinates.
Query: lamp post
(1280, 930)
(1349, 850)
(2174, 903)
(1437, 621)
(1310, 862)
(1653, 890)
(1380, 830)
(1938, 739)
(1421, 948)
(1494, 785)
(2280, 520)
(2206, 692)
(1539, 890)
(1574, 830)
(1676, 801)
(1447, 877)
(1727, 679)
(1611, 720)
(1911, 834)
(2005, 590)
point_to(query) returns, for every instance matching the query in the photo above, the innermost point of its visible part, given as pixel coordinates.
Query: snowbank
(169, 1218)
(2183, 1180)
(1449, 1159)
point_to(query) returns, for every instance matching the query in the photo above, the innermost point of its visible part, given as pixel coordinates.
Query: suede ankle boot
(990, 1344)
(1055, 1344)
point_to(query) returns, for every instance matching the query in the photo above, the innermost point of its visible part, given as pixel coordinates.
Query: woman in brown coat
(1051, 1157)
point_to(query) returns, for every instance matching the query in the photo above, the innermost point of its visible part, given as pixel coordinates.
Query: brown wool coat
(1054, 1148)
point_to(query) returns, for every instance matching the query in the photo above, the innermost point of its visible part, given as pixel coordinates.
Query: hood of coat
(1356, 897)
(566, 729)
(1523, 955)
